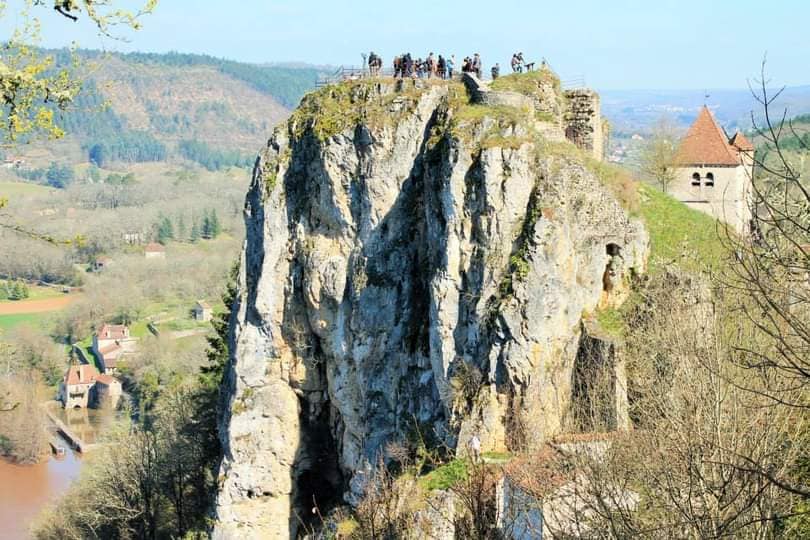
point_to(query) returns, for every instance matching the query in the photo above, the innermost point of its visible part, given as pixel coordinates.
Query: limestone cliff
(413, 261)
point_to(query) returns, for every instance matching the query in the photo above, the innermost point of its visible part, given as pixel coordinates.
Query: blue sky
(617, 44)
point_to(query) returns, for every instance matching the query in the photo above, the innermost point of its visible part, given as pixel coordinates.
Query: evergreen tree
(195, 231)
(206, 226)
(216, 228)
(59, 176)
(165, 231)
(19, 291)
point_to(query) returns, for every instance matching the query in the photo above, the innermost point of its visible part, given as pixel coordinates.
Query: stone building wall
(728, 199)
(583, 121)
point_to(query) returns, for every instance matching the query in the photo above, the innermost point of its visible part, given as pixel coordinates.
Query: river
(26, 489)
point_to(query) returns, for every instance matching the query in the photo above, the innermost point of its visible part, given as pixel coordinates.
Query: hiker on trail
(476, 65)
(430, 67)
(451, 64)
(496, 70)
(408, 65)
(475, 448)
(465, 65)
(441, 65)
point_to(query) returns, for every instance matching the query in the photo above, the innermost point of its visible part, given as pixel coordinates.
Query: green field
(12, 189)
(8, 322)
(35, 292)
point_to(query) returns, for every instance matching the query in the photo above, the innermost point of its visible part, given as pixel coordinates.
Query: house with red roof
(83, 386)
(110, 343)
(154, 250)
(714, 172)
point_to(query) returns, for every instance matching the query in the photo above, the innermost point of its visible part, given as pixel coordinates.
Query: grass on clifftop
(680, 234)
(527, 83)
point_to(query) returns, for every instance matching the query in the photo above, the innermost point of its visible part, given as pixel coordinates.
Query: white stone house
(83, 386)
(714, 173)
(110, 343)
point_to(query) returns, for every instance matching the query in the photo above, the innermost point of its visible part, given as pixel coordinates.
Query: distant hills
(636, 110)
(140, 107)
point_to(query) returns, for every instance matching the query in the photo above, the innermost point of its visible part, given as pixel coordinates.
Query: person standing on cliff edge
(476, 65)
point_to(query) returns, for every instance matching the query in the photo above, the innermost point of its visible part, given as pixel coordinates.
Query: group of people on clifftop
(432, 67)
(519, 64)
(441, 66)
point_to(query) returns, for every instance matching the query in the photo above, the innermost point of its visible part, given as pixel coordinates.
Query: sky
(612, 45)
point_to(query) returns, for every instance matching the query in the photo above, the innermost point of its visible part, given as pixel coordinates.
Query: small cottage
(202, 311)
(154, 250)
(101, 263)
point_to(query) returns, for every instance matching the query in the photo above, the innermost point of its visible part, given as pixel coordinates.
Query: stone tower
(714, 173)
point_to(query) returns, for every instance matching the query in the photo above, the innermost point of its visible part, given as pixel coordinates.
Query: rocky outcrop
(412, 262)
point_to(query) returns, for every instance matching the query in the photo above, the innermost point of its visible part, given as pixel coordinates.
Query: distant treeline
(126, 146)
(211, 158)
(287, 84)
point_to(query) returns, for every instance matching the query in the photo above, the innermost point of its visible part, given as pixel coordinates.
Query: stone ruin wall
(583, 121)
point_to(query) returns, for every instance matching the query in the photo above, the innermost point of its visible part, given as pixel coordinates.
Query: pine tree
(165, 231)
(19, 291)
(216, 228)
(206, 227)
(195, 231)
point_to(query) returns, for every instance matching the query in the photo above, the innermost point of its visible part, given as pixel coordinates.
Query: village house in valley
(110, 343)
(714, 172)
(154, 250)
(202, 311)
(83, 386)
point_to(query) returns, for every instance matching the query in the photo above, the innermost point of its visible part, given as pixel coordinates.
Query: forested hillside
(144, 107)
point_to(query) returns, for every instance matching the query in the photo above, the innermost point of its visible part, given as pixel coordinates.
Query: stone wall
(583, 121)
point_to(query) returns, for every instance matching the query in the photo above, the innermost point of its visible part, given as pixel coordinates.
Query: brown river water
(25, 490)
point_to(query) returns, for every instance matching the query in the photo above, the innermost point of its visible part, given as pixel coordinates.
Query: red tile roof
(706, 143)
(113, 331)
(740, 142)
(81, 374)
(154, 248)
(106, 379)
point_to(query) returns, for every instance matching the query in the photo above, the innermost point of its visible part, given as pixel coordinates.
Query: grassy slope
(17, 189)
(679, 234)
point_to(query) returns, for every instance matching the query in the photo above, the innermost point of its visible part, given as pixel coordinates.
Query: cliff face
(412, 261)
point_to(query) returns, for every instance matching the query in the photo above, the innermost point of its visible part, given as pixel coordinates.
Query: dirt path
(36, 306)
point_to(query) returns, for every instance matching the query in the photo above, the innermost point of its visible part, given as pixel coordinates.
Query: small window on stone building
(709, 182)
(696, 179)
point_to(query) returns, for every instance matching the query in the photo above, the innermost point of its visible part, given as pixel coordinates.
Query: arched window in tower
(696, 179)
(709, 182)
